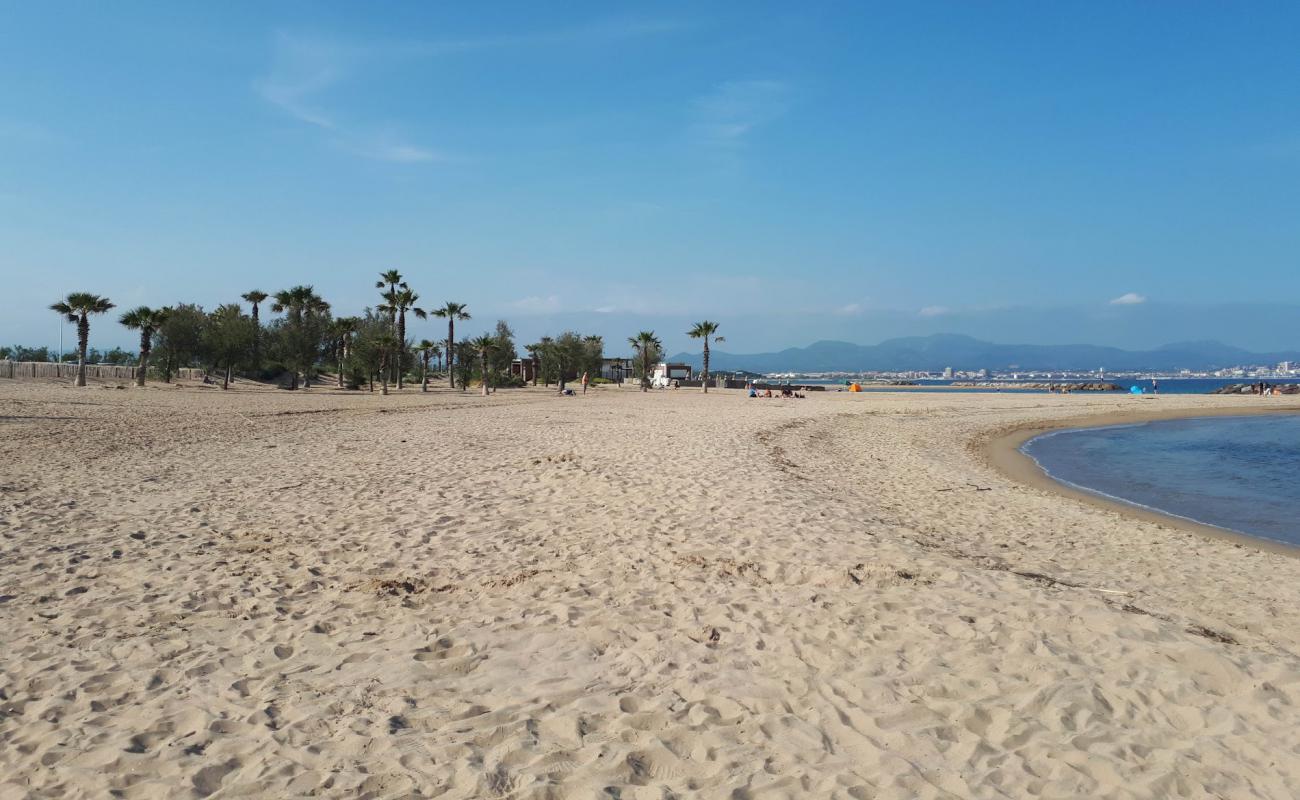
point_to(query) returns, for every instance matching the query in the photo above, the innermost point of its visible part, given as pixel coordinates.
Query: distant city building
(947, 373)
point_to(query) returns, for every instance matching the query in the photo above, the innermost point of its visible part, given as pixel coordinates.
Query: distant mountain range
(934, 353)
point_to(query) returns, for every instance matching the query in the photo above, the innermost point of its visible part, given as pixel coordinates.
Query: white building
(664, 374)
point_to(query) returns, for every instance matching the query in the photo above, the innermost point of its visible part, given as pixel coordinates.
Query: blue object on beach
(1135, 390)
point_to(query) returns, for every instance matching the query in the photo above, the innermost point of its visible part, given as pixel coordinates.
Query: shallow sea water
(1240, 473)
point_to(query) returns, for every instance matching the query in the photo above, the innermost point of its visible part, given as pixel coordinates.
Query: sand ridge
(265, 594)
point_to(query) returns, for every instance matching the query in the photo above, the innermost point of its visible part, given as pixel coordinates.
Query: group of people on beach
(786, 391)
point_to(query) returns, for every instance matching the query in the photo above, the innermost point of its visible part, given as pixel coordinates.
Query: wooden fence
(19, 370)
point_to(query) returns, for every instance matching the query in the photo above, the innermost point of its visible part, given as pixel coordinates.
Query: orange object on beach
(855, 387)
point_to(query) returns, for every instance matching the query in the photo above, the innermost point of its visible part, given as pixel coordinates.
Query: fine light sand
(622, 595)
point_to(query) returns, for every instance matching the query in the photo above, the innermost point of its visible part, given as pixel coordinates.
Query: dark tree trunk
(451, 352)
(257, 340)
(226, 383)
(83, 338)
(401, 346)
(145, 336)
(706, 365)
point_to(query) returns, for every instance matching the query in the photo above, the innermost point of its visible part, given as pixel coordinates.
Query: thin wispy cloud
(404, 154)
(934, 311)
(734, 109)
(391, 147)
(537, 305)
(304, 70)
(1129, 299)
(849, 309)
(595, 33)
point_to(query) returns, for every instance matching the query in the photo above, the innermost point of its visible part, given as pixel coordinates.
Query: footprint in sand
(208, 780)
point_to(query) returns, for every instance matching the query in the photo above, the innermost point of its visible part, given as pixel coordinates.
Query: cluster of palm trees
(306, 322)
(647, 349)
(398, 299)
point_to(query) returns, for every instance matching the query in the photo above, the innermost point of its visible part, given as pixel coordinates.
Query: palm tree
(386, 343)
(427, 349)
(255, 298)
(302, 305)
(484, 345)
(146, 320)
(341, 332)
(646, 346)
(397, 302)
(703, 330)
(392, 279)
(452, 312)
(78, 307)
(228, 336)
(535, 353)
(436, 353)
(593, 354)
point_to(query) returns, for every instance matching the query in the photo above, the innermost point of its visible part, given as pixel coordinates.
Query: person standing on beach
(585, 380)
(1155, 386)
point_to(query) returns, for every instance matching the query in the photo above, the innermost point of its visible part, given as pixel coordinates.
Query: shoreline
(1001, 451)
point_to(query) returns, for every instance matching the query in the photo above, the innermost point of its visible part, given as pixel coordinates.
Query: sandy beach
(621, 595)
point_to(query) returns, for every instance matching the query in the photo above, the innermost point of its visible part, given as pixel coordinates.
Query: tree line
(367, 350)
(116, 357)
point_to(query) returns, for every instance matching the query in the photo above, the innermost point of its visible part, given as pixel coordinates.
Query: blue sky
(797, 171)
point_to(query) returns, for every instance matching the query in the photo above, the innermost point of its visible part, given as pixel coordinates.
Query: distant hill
(934, 353)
